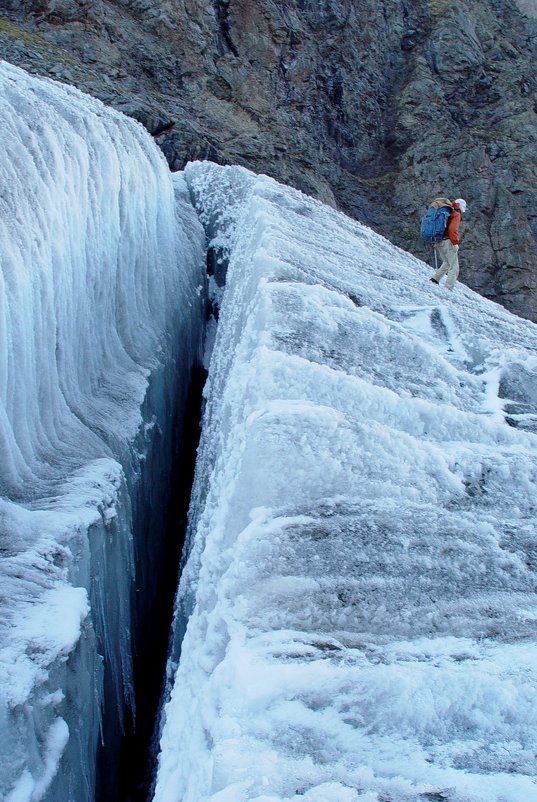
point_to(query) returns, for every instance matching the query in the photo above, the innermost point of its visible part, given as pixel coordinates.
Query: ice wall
(359, 595)
(100, 309)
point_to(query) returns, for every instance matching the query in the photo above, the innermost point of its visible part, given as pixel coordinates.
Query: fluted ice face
(100, 270)
(89, 276)
(360, 587)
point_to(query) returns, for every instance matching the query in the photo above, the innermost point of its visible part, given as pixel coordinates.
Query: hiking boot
(434, 281)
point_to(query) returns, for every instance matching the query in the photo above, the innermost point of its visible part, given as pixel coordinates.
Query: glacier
(356, 616)
(355, 619)
(102, 272)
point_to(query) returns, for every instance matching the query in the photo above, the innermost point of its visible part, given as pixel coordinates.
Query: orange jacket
(452, 230)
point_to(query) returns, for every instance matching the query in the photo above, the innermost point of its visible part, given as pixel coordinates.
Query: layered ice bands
(360, 585)
(100, 272)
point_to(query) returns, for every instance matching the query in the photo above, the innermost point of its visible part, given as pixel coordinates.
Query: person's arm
(453, 226)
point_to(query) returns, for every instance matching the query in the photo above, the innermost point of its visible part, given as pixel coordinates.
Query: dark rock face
(374, 107)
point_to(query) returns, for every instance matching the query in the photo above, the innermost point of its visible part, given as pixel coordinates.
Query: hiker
(447, 248)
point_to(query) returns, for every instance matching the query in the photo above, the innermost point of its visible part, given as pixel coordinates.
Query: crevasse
(355, 620)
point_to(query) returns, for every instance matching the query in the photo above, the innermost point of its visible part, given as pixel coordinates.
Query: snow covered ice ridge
(359, 594)
(100, 272)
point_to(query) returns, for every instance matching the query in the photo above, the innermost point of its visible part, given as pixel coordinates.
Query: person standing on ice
(448, 247)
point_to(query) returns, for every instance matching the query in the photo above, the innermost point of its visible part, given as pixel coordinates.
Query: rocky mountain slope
(374, 107)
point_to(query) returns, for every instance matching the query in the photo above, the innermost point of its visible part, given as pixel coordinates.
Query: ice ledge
(359, 595)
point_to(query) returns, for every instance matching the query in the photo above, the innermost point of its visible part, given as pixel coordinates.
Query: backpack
(434, 223)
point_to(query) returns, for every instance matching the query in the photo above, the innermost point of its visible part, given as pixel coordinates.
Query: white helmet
(462, 204)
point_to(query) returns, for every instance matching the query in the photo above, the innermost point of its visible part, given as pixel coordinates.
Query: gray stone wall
(373, 107)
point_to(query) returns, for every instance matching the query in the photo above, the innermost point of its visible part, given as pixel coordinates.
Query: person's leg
(443, 254)
(453, 271)
(442, 270)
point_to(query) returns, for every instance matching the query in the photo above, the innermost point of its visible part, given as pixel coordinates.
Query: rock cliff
(374, 107)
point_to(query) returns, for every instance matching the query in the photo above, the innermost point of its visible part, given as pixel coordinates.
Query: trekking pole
(435, 259)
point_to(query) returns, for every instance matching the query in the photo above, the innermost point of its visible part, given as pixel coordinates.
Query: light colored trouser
(450, 262)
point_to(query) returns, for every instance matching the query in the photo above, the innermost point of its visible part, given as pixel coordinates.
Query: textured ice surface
(362, 561)
(99, 308)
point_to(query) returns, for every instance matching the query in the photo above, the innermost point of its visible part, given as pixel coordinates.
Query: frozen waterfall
(101, 269)
(359, 593)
